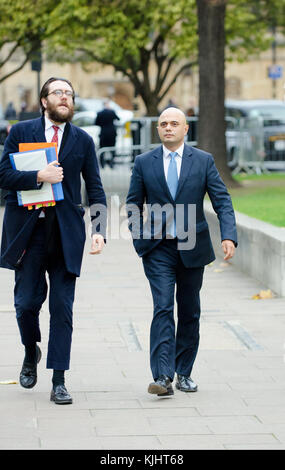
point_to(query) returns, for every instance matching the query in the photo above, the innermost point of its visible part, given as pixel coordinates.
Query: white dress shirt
(49, 132)
(167, 158)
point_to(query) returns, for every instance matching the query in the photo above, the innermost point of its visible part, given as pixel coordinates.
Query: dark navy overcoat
(77, 157)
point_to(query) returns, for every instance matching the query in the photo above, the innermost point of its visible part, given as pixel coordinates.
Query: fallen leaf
(263, 294)
(8, 382)
(218, 270)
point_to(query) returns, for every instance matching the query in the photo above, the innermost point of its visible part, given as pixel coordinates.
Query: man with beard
(50, 240)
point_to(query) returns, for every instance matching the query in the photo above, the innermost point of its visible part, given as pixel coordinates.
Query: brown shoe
(161, 386)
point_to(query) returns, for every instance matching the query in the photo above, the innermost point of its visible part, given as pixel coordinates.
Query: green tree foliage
(152, 41)
(23, 25)
(143, 40)
(249, 26)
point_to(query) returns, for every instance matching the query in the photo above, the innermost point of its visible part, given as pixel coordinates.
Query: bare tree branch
(171, 83)
(13, 49)
(161, 80)
(17, 69)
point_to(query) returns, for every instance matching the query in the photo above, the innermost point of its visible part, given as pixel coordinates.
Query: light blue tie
(172, 175)
(172, 181)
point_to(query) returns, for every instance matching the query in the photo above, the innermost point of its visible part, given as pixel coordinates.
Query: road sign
(275, 71)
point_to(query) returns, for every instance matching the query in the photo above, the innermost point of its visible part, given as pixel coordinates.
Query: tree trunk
(151, 103)
(151, 108)
(212, 126)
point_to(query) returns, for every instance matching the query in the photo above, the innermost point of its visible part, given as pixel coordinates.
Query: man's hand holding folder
(52, 173)
(42, 159)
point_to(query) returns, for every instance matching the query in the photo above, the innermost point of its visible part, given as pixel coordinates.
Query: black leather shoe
(28, 374)
(161, 386)
(186, 384)
(60, 395)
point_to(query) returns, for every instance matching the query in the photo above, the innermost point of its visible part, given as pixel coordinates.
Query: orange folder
(26, 146)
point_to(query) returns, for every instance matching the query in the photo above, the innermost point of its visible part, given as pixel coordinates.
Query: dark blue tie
(172, 181)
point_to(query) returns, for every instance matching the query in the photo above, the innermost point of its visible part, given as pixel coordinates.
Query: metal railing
(245, 142)
(249, 148)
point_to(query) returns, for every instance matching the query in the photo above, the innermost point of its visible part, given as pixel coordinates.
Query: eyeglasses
(60, 93)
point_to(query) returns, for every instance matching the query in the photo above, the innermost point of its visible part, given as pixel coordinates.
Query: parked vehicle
(86, 119)
(97, 104)
(85, 115)
(271, 115)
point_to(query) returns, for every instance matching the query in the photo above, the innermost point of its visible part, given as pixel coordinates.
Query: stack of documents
(36, 157)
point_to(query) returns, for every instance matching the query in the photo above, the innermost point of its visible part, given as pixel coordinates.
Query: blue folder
(50, 154)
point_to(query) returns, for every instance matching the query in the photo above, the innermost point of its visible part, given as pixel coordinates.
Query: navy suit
(166, 263)
(23, 245)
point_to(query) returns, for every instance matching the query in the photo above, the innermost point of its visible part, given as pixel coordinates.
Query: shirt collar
(179, 151)
(49, 124)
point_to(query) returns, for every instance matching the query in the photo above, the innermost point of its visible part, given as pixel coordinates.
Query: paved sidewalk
(240, 367)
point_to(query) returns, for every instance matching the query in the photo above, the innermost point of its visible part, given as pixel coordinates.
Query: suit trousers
(30, 292)
(173, 351)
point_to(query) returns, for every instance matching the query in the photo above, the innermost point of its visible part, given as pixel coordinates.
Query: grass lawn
(261, 196)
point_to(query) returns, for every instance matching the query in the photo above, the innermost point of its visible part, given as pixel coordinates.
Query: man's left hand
(97, 244)
(228, 248)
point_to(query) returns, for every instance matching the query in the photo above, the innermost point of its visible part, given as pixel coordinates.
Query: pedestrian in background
(10, 113)
(105, 119)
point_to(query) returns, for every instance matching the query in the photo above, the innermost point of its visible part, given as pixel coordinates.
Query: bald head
(171, 113)
(172, 128)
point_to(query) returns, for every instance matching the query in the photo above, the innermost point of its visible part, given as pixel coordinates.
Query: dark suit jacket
(105, 119)
(77, 156)
(198, 175)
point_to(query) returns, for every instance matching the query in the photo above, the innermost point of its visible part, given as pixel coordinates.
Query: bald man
(175, 245)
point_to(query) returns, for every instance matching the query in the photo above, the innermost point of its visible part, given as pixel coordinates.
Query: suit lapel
(39, 130)
(68, 140)
(186, 165)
